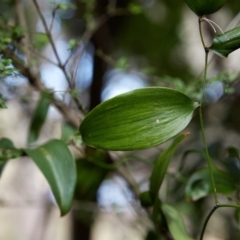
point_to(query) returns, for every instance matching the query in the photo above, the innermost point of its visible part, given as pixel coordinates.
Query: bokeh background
(114, 47)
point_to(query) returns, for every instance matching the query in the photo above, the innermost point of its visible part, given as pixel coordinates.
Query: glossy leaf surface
(160, 168)
(205, 7)
(200, 185)
(39, 117)
(226, 43)
(58, 166)
(138, 119)
(175, 223)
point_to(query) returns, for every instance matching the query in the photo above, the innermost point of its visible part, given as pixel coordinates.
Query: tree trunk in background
(100, 40)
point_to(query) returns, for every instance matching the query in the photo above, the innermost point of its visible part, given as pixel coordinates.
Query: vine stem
(201, 115)
(211, 213)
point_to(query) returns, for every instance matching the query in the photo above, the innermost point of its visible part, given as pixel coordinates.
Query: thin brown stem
(49, 35)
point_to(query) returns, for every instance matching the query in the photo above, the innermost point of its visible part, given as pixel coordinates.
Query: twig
(47, 31)
(34, 80)
(52, 20)
(81, 47)
(61, 66)
(22, 22)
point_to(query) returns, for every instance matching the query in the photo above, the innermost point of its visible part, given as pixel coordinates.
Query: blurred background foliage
(110, 47)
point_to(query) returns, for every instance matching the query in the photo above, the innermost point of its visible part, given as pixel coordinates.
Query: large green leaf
(58, 166)
(175, 223)
(160, 168)
(200, 184)
(138, 119)
(226, 43)
(39, 116)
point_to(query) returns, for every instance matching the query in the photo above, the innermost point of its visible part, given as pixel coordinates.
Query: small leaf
(160, 168)
(66, 5)
(58, 166)
(226, 43)
(39, 117)
(8, 151)
(6, 143)
(40, 40)
(200, 184)
(175, 223)
(138, 119)
(68, 132)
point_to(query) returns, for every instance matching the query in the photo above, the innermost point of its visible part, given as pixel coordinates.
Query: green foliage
(72, 44)
(40, 40)
(8, 151)
(139, 119)
(200, 185)
(160, 168)
(205, 7)
(39, 116)
(175, 223)
(226, 43)
(134, 8)
(2, 103)
(90, 175)
(58, 166)
(6, 68)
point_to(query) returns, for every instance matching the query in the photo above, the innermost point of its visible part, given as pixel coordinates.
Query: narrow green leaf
(39, 117)
(160, 168)
(175, 223)
(226, 43)
(200, 184)
(138, 119)
(58, 166)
